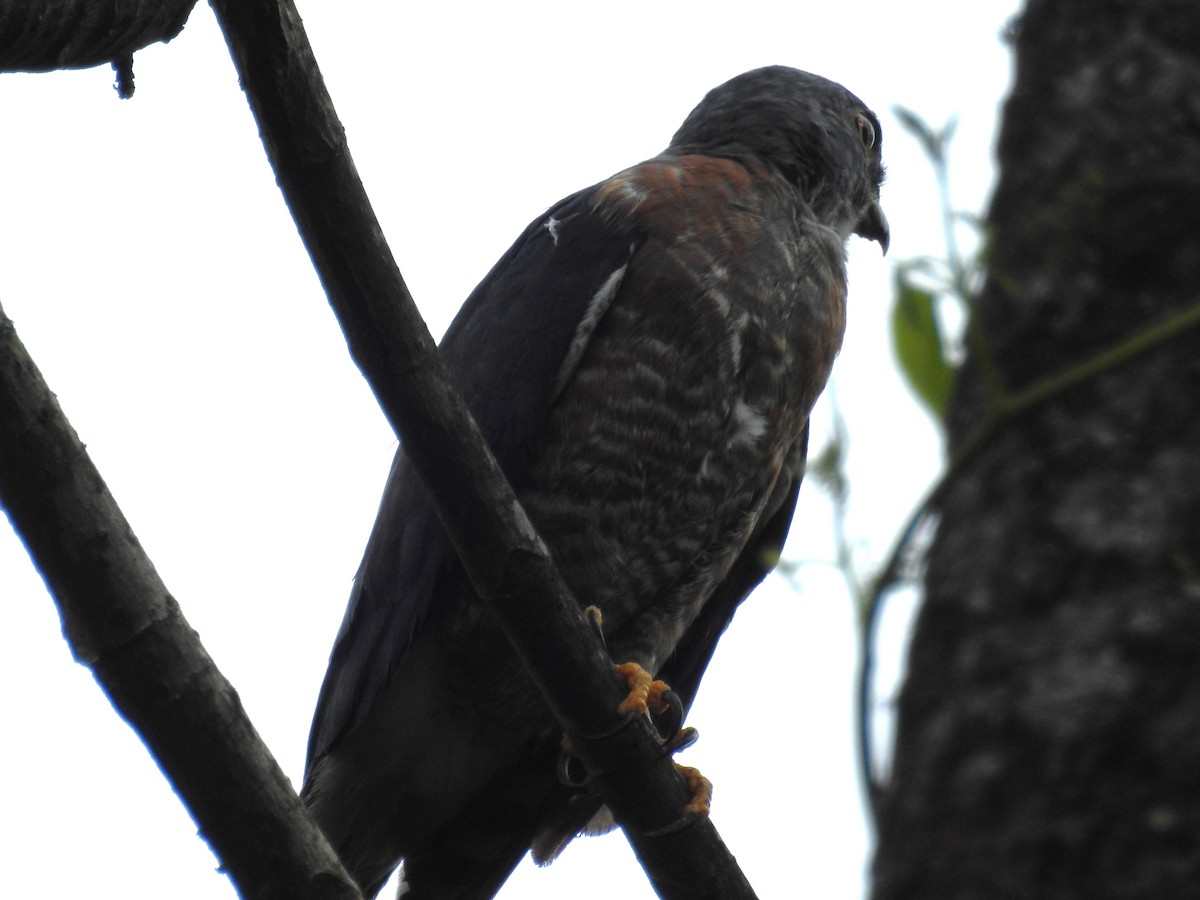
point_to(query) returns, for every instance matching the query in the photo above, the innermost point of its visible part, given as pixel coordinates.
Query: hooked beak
(874, 226)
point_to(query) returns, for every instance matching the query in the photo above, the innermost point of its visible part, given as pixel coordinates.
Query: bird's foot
(655, 698)
(645, 693)
(701, 789)
(696, 808)
(649, 697)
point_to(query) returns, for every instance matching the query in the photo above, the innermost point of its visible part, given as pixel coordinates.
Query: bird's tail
(473, 855)
(463, 869)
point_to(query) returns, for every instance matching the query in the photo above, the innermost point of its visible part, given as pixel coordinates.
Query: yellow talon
(701, 789)
(645, 693)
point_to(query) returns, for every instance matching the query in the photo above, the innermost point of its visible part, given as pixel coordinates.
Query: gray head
(814, 132)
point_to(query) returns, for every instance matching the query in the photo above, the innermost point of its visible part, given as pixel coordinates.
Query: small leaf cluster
(931, 290)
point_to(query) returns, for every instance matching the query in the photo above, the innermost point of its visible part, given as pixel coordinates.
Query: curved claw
(645, 694)
(680, 740)
(595, 618)
(669, 719)
(571, 771)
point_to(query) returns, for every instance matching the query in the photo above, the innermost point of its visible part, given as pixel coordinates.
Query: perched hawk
(642, 361)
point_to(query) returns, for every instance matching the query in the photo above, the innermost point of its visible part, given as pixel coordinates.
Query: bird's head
(814, 132)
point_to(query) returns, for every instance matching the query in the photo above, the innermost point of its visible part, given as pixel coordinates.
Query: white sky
(154, 273)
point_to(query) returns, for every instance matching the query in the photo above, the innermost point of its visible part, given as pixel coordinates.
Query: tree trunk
(1049, 727)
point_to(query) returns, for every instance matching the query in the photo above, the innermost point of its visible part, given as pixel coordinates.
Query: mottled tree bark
(1049, 726)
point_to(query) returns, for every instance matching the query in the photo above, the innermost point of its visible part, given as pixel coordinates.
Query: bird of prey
(642, 362)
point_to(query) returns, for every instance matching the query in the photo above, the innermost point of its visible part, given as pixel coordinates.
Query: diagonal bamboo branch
(504, 557)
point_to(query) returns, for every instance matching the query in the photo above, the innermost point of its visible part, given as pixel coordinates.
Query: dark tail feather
(463, 869)
(472, 857)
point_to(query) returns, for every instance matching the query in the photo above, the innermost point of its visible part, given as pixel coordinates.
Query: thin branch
(44, 35)
(507, 562)
(122, 623)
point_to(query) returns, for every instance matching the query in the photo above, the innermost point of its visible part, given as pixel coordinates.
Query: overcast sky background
(154, 273)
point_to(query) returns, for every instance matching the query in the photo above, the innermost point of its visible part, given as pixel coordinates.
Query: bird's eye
(866, 131)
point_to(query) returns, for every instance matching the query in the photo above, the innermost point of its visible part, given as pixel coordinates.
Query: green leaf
(917, 342)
